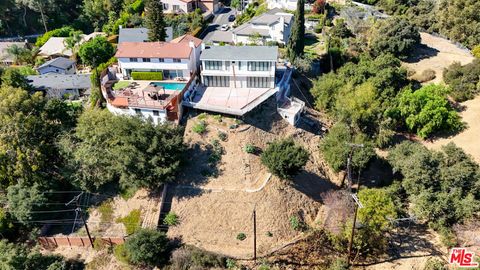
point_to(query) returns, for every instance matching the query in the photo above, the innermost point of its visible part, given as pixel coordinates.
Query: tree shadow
(312, 185)
(378, 174)
(420, 53)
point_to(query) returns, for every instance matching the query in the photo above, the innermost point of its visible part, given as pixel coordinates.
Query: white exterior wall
(241, 74)
(145, 113)
(155, 64)
(51, 69)
(278, 32)
(282, 4)
(168, 6)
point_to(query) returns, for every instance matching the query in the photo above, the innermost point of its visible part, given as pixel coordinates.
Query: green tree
(22, 200)
(284, 158)
(394, 35)
(374, 217)
(73, 40)
(296, 43)
(13, 77)
(235, 4)
(96, 51)
(107, 148)
(147, 247)
(443, 187)
(155, 21)
(463, 81)
(336, 149)
(59, 32)
(427, 111)
(476, 51)
(16, 52)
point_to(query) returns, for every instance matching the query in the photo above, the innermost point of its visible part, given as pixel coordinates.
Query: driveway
(219, 19)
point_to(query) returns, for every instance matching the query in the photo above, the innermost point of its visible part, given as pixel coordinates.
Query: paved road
(219, 19)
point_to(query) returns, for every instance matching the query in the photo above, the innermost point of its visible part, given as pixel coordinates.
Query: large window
(258, 82)
(146, 59)
(216, 81)
(176, 7)
(213, 65)
(258, 66)
(133, 60)
(172, 74)
(177, 60)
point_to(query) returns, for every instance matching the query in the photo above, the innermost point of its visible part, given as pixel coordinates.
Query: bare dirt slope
(436, 53)
(468, 138)
(213, 210)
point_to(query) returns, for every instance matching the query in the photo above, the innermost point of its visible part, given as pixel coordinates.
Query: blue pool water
(170, 85)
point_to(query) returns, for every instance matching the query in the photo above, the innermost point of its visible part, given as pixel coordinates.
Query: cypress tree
(296, 44)
(155, 21)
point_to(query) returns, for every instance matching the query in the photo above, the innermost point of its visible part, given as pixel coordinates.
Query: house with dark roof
(267, 27)
(139, 34)
(175, 59)
(61, 85)
(59, 65)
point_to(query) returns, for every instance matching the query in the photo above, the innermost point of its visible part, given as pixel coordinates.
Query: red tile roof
(120, 102)
(177, 48)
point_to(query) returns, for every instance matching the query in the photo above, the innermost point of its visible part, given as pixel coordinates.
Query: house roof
(133, 35)
(247, 53)
(186, 39)
(55, 46)
(59, 62)
(248, 28)
(177, 48)
(221, 36)
(60, 81)
(4, 56)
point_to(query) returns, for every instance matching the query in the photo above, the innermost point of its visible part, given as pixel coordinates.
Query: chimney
(191, 44)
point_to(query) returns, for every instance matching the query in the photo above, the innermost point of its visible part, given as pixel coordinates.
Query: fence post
(69, 244)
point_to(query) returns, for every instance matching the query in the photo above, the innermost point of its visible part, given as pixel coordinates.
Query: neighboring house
(282, 4)
(60, 85)
(5, 58)
(264, 28)
(175, 59)
(139, 34)
(235, 79)
(59, 65)
(187, 6)
(55, 46)
(221, 37)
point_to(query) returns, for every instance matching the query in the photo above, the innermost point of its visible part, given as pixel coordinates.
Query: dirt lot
(216, 209)
(436, 53)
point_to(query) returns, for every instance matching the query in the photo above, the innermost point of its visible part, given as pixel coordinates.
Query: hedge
(136, 75)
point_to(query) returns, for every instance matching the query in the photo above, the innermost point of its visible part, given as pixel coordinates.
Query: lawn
(120, 85)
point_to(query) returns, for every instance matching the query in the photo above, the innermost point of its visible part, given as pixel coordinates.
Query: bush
(394, 35)
(434, 264)
(284, 158)
(241, 236)
(250, 148)
(463, 81)
(338, 264)
(60, 32)
(476, 51)
(106, 211)
(138, 75)
(297, 224)
(200, 127)
(120, 253)
(222, 136)
(132, 221)
(427, 75)
(96, 51)
(171, 219)
(218, 117)
(189, 257)
(147, 247)
(427, 111)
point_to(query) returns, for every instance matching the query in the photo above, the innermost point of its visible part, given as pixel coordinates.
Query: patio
(142, 94)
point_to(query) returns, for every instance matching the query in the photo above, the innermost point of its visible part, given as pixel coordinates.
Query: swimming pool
(170, 85)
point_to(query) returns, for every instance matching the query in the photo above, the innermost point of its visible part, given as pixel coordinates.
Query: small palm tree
(15, 52)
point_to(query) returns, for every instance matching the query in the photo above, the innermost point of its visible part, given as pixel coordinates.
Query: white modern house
(235, 79)
(177, 59)
(59, 65)
(266, 27)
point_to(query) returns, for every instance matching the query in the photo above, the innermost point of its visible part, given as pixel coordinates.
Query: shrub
(60, 32)
(131, 221)
(147, 247)
(99, 244)
(427, 75)
(202, 116)
(200, 127)
(284, 158)
(476, 51)
(250, 148)
(137, 75)
(448, 237)
(231, 264)
(296, 223)
(222, 136)
(338, 264)
(241, 236)
(434, 264)
(218, 117)
(171, 219)
(189, 257)
(106, 211)
(463, 81)
(120, 253)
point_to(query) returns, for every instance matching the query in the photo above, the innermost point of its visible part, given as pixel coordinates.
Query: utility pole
(78, 211)
(254, 235)
(349, 164)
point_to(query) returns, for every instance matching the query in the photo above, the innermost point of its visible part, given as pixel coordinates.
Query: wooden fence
(53, 242)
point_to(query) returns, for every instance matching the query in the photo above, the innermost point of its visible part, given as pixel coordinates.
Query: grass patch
(131, 221)
(171, 219)
(120, 85)
(202, 116)
(106, 211)
(200, 127)
(120, 253)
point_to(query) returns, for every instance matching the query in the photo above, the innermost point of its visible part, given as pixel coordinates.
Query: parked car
(224, 27)
(231, 18)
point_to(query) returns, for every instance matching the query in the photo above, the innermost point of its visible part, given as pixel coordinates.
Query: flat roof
(246, 53)
(60, 62)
